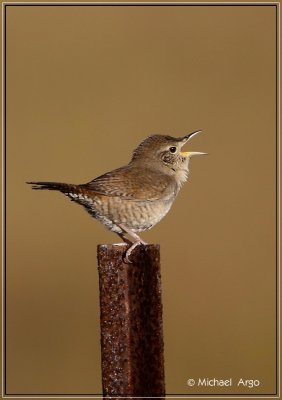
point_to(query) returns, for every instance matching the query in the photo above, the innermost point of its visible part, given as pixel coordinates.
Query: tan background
(84, 86)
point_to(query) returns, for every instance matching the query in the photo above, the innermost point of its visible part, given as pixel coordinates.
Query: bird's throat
(181, 176)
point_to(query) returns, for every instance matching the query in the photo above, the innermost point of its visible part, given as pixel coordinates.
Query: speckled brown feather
(122, 183)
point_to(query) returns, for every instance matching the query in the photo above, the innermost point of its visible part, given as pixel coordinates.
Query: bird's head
(165, 153)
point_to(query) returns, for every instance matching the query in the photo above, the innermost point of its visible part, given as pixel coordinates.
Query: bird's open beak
(191, 153)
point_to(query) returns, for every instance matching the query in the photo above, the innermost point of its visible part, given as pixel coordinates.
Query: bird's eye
(172, 149)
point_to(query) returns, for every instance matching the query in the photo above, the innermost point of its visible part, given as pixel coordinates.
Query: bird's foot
(126, 259)
(136, 241)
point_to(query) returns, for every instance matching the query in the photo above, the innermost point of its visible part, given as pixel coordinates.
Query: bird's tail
(61, 187)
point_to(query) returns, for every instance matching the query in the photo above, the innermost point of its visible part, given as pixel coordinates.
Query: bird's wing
(136, 184)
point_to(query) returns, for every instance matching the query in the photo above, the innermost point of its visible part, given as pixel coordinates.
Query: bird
(134, 198)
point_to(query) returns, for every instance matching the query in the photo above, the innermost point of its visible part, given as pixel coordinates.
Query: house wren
(135, 197)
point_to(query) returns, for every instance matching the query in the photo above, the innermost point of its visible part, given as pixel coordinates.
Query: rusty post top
(131, 321)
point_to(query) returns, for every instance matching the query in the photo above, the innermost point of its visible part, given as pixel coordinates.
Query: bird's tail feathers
(62, 187)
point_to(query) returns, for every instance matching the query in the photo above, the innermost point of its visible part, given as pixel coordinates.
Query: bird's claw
(126, 258)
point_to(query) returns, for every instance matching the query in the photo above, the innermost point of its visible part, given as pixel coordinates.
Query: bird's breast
(136, 215)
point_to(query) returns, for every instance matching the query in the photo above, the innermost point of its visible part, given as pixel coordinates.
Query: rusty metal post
(131, 322)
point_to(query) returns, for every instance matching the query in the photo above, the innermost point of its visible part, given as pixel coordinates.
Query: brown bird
(137, 196)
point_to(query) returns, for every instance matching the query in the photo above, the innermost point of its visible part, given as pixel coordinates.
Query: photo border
(175, 4)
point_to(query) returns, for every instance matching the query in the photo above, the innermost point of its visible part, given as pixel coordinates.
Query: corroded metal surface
(131, 321)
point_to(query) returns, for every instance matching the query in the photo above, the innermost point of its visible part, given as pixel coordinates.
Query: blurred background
(85, 84)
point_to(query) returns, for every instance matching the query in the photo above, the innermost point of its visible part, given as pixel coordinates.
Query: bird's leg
(132, 234)
(124, 238)
(137, 242)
